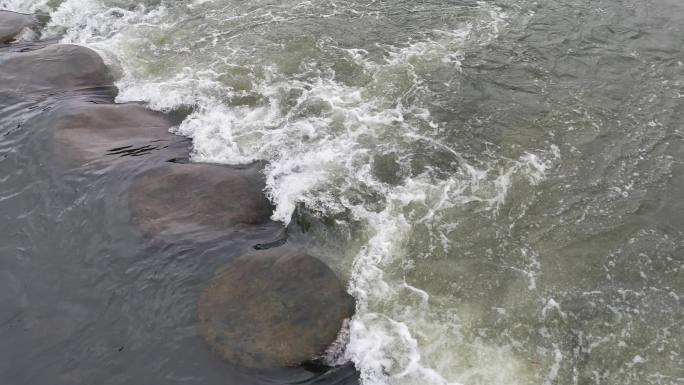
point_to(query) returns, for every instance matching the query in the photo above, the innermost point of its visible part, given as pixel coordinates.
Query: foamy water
(364, 113)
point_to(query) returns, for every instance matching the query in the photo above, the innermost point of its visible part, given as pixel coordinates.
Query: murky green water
(500, 182)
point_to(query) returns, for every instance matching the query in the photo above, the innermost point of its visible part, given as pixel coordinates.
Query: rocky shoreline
(270, 308)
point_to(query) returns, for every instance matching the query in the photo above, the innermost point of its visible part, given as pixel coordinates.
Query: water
(499, 182)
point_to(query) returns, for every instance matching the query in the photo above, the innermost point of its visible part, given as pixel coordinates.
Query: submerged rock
(12, 24)
(88, 131)
(202, 200)
(269, 310)
(54, 68)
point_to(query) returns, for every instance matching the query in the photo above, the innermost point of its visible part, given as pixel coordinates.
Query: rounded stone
(53, 68)
(198, 200)
(12, 24)
(268, 311)
(88, 131)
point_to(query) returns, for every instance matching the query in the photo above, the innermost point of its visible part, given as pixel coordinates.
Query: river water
(500, 183)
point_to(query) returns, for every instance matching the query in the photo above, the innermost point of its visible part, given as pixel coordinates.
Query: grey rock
(87, 131)
(12, 24)
(60, 67)
(271, 310)
(198, 200)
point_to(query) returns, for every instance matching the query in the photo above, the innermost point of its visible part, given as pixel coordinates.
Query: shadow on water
(85, 298)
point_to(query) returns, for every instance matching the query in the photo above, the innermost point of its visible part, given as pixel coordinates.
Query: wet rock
(52, 69)
(201, 200)
(88, 131)
(271, 310)
(12, 24)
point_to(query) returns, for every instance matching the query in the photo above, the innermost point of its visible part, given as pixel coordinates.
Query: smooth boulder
(269, 310)
(87, 131)
(59, 67)
(12, 24)
(198, 200)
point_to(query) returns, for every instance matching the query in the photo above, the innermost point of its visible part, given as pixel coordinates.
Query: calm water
(499, 182)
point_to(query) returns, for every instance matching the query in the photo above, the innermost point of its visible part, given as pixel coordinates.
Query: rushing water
(500, 182)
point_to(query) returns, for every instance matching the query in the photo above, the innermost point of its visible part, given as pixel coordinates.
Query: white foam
(555, 367)
(321, 158)
(24, 6)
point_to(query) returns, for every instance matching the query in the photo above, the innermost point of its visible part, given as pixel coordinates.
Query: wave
(345, 131)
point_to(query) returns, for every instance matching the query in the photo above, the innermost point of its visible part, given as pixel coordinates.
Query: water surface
(499, 182)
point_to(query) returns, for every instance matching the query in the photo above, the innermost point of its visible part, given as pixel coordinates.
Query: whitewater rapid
(363, 130)
(315, 160)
